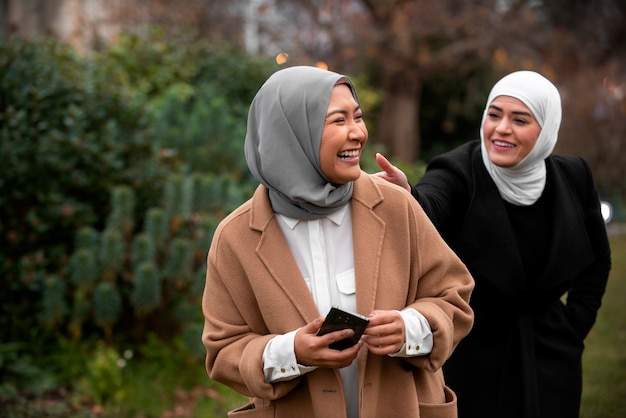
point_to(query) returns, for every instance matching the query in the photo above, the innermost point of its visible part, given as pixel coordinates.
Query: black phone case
(338, 319)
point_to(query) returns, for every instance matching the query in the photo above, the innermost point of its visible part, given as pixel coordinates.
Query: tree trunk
(398, 126)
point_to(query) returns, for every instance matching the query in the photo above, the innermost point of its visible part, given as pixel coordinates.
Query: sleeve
(279, 359)
(442, 290)
(235, 334)
(443, 191)
(419, 337)
(584, 297)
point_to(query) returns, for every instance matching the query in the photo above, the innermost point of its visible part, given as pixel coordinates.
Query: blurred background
(121, 148)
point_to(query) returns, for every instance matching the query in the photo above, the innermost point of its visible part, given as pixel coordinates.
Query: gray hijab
(282, 146)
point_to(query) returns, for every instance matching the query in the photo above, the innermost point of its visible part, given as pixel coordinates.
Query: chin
(503, 164)
(347, 178)
(500, 161)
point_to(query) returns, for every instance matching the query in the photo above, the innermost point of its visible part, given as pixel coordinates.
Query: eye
(520, 121)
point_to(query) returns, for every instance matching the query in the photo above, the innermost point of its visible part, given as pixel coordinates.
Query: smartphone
(338, 319)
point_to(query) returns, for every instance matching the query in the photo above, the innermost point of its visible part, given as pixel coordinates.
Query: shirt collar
(336, 217)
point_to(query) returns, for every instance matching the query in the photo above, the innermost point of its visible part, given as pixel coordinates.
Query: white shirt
(323, 251)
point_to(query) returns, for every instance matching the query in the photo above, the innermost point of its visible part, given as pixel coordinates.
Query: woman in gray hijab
(528, 225)
(320, 233)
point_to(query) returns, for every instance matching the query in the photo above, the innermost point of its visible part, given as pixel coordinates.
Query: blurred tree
(475, 42)
(436, 62)
(590, 38)
(597, 26)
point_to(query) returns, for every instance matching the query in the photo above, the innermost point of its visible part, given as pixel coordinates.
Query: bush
(117, 167)
(67, 138)
(198, 95)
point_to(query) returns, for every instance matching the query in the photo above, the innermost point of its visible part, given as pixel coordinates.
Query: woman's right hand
(391, 173)
(313, 350)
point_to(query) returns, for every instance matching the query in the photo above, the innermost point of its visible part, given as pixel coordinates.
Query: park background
(121, 142)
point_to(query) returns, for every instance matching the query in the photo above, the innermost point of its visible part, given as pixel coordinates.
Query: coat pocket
(253, 410)
(443, 410)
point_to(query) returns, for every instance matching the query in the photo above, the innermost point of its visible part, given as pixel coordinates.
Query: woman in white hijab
(319, 233)
(528, 226)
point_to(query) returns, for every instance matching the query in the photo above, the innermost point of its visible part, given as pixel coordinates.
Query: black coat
(523, 356)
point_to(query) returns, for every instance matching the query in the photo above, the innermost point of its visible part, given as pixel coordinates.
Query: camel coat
(255, 291)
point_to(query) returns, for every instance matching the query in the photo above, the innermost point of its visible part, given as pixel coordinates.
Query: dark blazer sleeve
(445, 189)
(584, 296)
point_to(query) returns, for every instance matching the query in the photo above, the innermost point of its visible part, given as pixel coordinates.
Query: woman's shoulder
(574, 167)
(372, 190)
(573, 161)
(254, 213)
(575, 172)
(461, 157)
(459, 165)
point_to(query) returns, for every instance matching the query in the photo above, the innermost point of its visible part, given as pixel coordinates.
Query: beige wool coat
(255, 291)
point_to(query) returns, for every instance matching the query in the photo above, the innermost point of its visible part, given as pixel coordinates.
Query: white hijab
(523, 183)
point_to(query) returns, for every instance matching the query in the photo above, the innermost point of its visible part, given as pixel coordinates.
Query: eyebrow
(518, 112)
(340, 111)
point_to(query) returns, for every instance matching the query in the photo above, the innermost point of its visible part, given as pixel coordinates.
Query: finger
(384, 164)
(343, 358)
(313, 326)
(335, 336)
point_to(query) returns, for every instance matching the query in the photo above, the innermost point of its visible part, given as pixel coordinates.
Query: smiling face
(343, 137)
(510, 131)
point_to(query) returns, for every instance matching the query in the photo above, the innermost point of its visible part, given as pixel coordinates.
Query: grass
(604, 359)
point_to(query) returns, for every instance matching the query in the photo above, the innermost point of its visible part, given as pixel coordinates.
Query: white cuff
(279, 359)
(419, 336)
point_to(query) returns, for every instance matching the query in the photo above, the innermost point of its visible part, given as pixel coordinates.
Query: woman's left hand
(385, 333)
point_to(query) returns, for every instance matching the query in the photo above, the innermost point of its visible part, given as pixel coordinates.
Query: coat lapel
(570, 247)
(368, 231)
(271, 250)
(491, 251)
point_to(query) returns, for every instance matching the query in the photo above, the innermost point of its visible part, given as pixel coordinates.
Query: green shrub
(198, 92)
(158, 272)
(116, 169)
(67, 137)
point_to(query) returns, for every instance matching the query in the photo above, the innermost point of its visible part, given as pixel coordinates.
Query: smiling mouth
(346, 155)
(503, 144)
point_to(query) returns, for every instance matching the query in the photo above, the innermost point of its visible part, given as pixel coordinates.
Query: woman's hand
(391, 173)
(385, 333)
(313, 350)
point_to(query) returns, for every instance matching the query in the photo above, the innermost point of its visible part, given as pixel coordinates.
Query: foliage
(67, 137)
(155, 273)
(146, 380)
(450, 113)
(100, 238)
(198, 109)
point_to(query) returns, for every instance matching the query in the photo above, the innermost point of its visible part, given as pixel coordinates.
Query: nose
(504, 126)
(357, 132)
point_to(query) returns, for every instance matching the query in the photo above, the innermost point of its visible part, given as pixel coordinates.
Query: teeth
(502, 144)
(348, 154)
